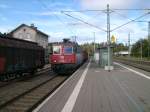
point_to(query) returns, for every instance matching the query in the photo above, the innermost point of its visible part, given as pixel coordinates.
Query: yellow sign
(113, 39)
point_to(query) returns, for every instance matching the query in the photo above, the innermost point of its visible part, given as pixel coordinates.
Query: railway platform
(92, 89)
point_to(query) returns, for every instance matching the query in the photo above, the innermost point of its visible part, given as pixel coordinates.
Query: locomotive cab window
(68, 50)
(56, 49)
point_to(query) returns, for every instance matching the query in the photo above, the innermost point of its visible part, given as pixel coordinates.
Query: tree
(119, 47)
(1, 33)
(89, 47)
(136, 49)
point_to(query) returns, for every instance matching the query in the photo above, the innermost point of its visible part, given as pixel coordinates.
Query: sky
(52, 18)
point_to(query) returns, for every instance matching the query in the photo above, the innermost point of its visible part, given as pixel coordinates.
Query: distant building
(30, 33)
(122, 53)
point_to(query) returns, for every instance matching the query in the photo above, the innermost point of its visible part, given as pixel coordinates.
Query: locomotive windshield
(56, 49)
(68, 50)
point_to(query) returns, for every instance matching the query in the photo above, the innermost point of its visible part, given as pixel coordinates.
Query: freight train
(18, 57)
(67, 56)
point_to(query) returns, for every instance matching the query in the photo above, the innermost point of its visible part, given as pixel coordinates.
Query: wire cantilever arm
(130, 21)
(85, 11)
(84, 22)
(147, 9)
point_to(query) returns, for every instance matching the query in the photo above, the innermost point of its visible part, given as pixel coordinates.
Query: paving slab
(120, 90)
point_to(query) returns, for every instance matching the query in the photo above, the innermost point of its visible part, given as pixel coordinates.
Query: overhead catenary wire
(143, 21)
(84, 22)
(130, 21)
(82, 10)
(79, 23)
(123, 15)
(45, 6)
(105, 10)
(132, 9)
(128, 17)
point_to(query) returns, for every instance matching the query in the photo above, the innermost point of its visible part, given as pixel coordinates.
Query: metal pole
(148, 39)
(141, 51)
(94, 43)
(75, 37)
(108, 35)
(129, 45)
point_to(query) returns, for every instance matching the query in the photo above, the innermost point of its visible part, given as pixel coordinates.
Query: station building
(31, 33)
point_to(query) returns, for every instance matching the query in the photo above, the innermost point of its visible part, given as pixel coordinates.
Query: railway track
(24, 94)
(144, 65)
(25, 77)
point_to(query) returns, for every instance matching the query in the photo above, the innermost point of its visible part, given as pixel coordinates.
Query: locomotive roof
(63, 43)
(17, 43)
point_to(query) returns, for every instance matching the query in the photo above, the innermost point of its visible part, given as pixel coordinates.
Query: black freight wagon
(18, 57)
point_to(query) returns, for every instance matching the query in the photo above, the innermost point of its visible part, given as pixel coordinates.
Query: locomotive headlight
(54, 60)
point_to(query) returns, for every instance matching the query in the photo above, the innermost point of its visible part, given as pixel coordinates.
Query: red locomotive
(66, 56)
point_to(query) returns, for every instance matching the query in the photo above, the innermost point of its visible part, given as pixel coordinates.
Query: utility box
(103, 56)
(96, 56)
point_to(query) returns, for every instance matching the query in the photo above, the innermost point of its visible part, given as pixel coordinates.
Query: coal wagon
(18, 57)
